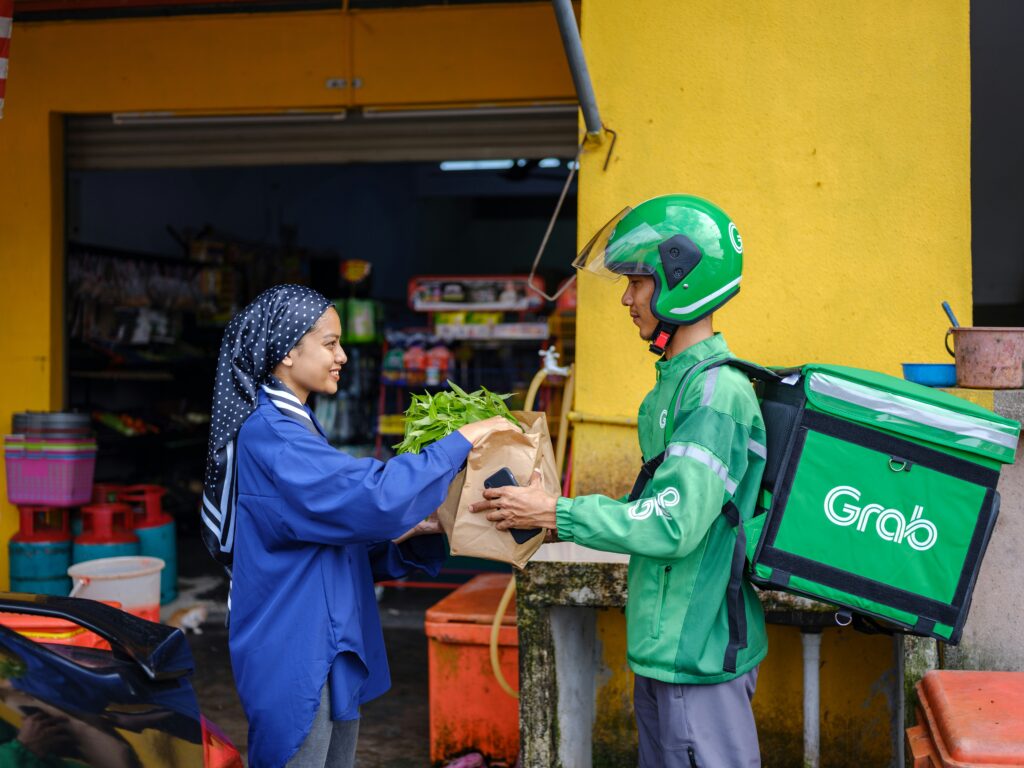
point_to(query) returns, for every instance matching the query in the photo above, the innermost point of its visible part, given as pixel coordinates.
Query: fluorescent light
(174, 118)
(572, 165)
(549, 162)
(476, 165)
(564, 110)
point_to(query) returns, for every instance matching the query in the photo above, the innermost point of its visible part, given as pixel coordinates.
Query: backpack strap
(735, 605)
(646, 473)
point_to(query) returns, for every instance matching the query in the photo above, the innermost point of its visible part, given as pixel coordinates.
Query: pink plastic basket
(60, 476)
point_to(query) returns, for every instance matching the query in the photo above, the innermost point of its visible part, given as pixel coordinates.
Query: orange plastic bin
(468, 709)
(968, 720)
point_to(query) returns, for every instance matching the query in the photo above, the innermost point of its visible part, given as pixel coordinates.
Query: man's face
(637, 297)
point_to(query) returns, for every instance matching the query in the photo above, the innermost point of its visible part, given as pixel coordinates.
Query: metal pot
(988, 358)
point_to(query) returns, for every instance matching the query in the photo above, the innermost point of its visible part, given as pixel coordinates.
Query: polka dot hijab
(254, 342)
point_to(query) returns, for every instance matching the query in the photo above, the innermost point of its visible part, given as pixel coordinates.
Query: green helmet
(688, 245)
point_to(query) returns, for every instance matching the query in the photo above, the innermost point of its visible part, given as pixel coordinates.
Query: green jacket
(681, 544)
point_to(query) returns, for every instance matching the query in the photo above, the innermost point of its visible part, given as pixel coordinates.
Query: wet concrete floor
(394, 729)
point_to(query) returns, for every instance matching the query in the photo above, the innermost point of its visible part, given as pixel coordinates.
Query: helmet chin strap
(662, 337)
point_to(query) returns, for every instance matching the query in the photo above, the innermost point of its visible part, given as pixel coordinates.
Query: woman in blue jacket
(305, 529)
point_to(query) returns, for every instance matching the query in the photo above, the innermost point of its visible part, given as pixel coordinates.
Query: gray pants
(330, 743)
(696, 726)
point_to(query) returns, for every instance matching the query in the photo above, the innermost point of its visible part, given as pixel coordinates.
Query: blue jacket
(313, 533)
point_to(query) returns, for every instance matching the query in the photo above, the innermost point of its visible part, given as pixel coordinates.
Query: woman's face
(314, 364)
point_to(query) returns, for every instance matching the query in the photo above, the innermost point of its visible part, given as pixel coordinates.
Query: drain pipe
(812, 697)
(578, 66)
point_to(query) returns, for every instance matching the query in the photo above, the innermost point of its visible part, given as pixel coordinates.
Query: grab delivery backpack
(878, 496)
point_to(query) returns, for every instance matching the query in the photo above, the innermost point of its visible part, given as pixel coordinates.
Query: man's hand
(43, 734)
(513, 506)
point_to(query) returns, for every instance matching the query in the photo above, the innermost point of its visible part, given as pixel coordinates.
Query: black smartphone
(500, 479)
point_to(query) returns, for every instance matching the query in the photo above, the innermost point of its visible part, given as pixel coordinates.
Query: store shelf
(123, 375)
(465, 306)
(475, 293)
(412, 385)
(109, 438)
(86, 249)
(494, 332)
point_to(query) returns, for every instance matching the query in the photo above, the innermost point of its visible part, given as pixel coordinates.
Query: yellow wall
(838, 140)
(837, 136)
(263, 62)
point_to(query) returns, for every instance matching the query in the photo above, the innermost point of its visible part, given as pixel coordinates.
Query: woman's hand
(513, 506)
(474, 432)
(424, 527)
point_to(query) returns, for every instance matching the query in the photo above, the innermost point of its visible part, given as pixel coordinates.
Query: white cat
(189, 618)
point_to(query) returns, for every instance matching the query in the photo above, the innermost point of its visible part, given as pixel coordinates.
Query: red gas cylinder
(106, 532)
(156, 531)
(40, 552)
(145, 501)
(105, 492)
(42, 524)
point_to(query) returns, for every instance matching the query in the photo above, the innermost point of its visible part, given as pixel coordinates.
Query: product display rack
(143, 331)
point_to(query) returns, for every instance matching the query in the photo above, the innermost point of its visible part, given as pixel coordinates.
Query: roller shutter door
(162, 141)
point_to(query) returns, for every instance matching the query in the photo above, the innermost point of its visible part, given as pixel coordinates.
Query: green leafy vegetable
(431, 417)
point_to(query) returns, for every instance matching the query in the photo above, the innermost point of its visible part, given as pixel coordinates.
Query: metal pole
(812, 698)
(577, 65)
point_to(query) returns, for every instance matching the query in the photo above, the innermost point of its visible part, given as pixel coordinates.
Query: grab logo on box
(890, 525)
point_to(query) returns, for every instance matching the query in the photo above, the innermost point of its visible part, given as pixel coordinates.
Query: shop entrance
(173, 224)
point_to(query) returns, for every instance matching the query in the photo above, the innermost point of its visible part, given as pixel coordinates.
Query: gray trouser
(329, 743)
(696, 726)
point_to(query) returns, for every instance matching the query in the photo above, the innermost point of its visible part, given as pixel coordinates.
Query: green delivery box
(878, 494)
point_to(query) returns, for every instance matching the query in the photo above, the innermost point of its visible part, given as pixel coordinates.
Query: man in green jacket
(695, 627)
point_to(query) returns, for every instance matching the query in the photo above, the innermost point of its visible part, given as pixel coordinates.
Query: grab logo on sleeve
(890, 525)
(658, 505)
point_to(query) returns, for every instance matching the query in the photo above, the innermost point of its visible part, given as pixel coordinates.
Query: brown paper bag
(474, 535)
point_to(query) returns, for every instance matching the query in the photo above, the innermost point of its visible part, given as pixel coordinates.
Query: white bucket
(132, 581)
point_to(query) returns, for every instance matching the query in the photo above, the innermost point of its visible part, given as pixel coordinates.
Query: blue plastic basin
(931, 374)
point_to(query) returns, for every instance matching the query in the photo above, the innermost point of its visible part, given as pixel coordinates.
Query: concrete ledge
(540, 588)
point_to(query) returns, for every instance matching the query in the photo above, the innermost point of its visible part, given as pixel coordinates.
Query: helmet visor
(612, 254)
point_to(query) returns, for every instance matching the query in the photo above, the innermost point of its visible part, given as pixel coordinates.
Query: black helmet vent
(679, 256)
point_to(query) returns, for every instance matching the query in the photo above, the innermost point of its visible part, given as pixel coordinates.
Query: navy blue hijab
(255, 341)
